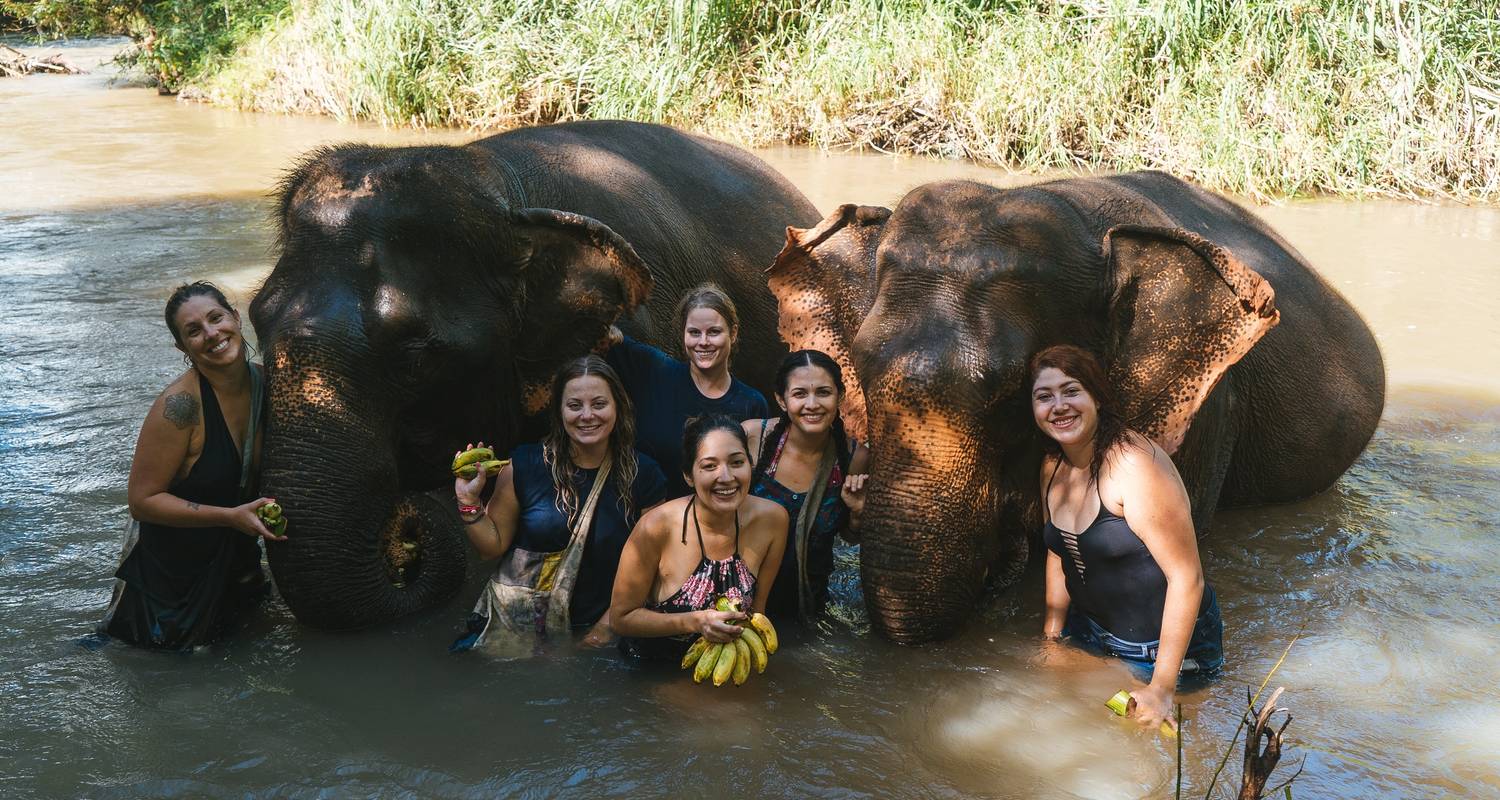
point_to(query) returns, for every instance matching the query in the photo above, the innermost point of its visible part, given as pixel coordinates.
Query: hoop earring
(187, 359)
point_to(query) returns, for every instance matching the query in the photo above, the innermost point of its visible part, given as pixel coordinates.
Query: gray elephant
(424, 296)
(933, 309)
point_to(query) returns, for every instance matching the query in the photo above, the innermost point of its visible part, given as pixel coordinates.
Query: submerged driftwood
(13, 62)
(1263, 749)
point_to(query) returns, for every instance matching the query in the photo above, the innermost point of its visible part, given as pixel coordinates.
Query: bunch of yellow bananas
(469, 462)
(270, 513)
(733, 660)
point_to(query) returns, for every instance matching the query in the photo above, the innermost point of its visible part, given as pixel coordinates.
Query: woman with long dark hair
(540, 496)
(1123, 573)
(806, 464)
(192, 569)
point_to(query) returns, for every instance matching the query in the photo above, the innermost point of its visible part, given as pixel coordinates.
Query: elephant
(422, 298)
(1224, 345)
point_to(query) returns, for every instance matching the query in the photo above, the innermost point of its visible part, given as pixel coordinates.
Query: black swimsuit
(185, 586)
(1115, 584)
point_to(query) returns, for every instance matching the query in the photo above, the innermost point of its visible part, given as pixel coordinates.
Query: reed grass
(1263, 98)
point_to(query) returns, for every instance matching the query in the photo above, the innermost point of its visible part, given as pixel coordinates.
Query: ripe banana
(757, 646)
(468, 471)
(767, 632)
(728, 654)
(706, 662)
(693, 653)
(741, 662)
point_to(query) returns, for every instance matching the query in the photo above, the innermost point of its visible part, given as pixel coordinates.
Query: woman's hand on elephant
(244, 519)
(614, 336)
(853, 492)
(469, 490)
(718, 626)
(1152, 705)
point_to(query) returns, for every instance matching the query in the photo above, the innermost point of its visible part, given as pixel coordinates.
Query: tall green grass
(1266, 98)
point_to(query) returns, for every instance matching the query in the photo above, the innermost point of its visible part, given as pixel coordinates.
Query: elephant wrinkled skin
(423, 297)
(1224, 345)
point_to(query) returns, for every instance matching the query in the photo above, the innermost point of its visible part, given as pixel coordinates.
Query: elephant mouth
(401, 545)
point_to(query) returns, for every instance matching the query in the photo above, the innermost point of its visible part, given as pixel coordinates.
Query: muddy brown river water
(111, 196)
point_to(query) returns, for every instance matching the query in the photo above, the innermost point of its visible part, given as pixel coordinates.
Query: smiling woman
(669, 392)
(191, 565)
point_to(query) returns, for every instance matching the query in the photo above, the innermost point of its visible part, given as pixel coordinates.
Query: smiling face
(1062, 408)
(707, 337)
(720, 473)
(588, 410)
(208, 332)
(811, 399)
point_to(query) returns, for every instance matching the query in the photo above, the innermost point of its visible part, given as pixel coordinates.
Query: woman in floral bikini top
(747, 534)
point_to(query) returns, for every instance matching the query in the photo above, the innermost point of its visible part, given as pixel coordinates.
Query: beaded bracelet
(470, 513)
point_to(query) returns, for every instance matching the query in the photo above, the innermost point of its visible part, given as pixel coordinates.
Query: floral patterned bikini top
(729, 577)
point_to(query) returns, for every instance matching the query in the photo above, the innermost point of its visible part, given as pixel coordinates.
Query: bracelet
(470, 514)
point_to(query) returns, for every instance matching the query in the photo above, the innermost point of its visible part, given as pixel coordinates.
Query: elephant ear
(1184, 310)
(580, 277)
(824, 284)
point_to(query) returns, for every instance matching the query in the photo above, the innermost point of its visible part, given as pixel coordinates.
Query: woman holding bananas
(540, 496)
(669, 392)
(192, 567)
(807, 464)
(688, 553)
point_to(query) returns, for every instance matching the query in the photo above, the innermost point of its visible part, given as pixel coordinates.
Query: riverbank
(1265, 100)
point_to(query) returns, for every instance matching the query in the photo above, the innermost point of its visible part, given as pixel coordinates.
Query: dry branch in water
(13, 63)
(1260, 761)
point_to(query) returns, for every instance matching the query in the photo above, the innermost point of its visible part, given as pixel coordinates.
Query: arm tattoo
(181, 409)
(192, 505)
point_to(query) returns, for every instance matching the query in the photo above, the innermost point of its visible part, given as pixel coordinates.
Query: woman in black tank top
(1123, 573)
(194, 567)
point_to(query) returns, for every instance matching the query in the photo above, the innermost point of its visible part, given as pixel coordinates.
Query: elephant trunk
(360, 550)
(930, 526)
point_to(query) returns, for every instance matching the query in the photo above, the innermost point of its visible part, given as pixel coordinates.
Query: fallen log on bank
(15, 63)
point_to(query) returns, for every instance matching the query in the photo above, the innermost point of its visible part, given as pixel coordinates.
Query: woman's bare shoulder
(181, 403)
(658, 522)
(760, 510)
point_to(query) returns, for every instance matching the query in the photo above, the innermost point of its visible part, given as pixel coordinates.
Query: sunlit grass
(1260, 98)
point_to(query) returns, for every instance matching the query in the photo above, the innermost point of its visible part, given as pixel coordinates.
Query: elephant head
(934, 309)
(412, 310)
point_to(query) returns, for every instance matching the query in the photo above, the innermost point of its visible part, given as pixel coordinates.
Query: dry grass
(1265, 99)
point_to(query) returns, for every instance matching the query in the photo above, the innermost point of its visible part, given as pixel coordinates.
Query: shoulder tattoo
(181, 409)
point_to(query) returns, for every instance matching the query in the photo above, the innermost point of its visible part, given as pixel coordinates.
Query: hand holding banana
(468, 463)
(732, 660)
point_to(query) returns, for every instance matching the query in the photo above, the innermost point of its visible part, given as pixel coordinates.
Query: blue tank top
(543, 528)
(832, 516)
(665, 398)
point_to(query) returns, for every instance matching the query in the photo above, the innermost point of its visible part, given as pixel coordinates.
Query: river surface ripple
(111, 196)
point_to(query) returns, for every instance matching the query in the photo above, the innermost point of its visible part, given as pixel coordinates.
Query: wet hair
(556, 450)
(714, 298)
(698, 428)
(1082, 366)
(793, 362)
(186, 292)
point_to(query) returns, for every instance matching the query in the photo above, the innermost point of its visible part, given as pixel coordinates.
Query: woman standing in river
(807, 465)
(193, 568)
(1123, 574)
(668, 392)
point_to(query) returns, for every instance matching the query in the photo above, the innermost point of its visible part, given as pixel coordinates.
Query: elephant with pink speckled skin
(1223, 344)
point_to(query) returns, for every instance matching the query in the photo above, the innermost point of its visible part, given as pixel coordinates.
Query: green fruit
(472, 456)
